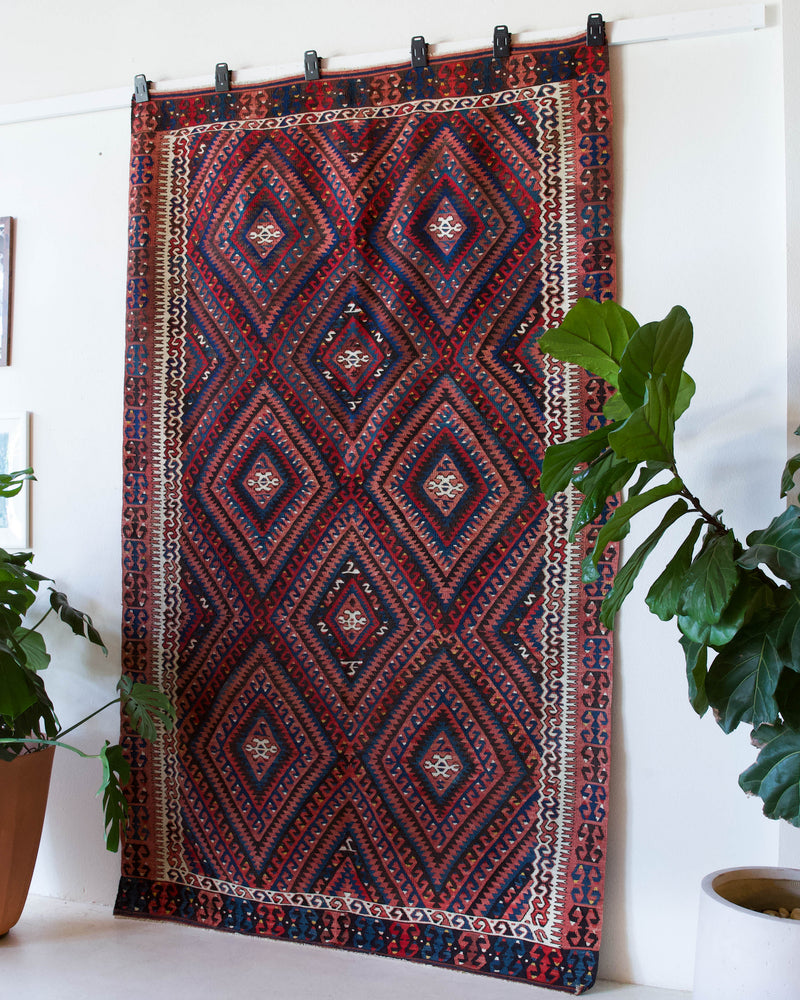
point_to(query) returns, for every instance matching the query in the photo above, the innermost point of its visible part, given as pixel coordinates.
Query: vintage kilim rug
(392, 690)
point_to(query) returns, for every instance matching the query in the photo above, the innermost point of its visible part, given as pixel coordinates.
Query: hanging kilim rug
(392, 689)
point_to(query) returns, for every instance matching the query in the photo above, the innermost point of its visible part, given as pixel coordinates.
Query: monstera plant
(737, 605)
(27, 716)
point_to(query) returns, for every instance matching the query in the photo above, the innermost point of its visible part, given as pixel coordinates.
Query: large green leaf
(32, 645)
(647, 435)
(789, 470)
(702, 632)
(599, 483)
(685, 393)
(615, 408)
(777, 546)
(12, 482)
(17, 692)
(711, 579)
(787, 695)
(626, 576)
(594, 336)
(745, 602)
(742, 680)
(618, 525)
(786, 618)
(775, 776)
(116, 774)
(646, 475)
(787, 478)
(667, 589)
(21, 558)
(18, 587)
(145, 707)
(696, 654)
(656, 349)
(561, 460)
(38, 719)
(78, 621)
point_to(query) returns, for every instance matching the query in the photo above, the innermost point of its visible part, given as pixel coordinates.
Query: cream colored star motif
(446, 227)
(445, 485)
(265, 234)
(352, 358)
(263, 481)
(351, 620)
(442, 765)
(260, 748)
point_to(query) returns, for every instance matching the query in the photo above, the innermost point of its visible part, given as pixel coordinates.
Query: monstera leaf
(17, 690)
(27, 715)
(116, 774)
(146, 707)
(78, 621)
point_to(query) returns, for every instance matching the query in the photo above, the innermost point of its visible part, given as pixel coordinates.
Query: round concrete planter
(24, 784)
(742, 953)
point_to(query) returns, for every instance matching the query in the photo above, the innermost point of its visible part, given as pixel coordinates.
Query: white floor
(71, 951)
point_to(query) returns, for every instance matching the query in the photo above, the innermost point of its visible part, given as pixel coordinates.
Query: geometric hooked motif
(392, 689)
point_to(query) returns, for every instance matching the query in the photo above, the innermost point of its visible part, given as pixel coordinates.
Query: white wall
(790, 836)
(701, 221)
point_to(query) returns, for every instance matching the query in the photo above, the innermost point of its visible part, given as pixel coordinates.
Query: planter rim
(763, 872)
(28, 749)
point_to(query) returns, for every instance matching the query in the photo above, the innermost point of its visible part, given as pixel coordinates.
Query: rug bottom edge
(571, 970)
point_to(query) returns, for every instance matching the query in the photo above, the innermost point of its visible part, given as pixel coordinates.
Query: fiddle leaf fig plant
(737, 606)
(27, 715)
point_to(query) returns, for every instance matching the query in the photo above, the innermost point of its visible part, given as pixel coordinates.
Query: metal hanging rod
(666, 27)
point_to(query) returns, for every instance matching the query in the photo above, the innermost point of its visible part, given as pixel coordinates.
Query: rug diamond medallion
(450, 228)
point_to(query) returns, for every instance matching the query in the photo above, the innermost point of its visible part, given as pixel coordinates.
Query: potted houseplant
(30, 730)
(737, 605)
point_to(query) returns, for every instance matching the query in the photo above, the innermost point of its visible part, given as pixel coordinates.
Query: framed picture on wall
(6, 233)
(15, 455)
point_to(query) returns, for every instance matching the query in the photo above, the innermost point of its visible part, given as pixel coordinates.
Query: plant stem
(50, 743)
(97, 711)
(710, 519)
(36, 626)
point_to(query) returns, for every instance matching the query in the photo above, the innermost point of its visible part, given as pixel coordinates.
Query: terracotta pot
(24, 783)
(742, 953)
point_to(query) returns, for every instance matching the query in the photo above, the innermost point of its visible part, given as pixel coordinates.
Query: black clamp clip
(311, 65)
(419, 52)
(595, 31)
(140, 89)
(222, 78)
(502, 42)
